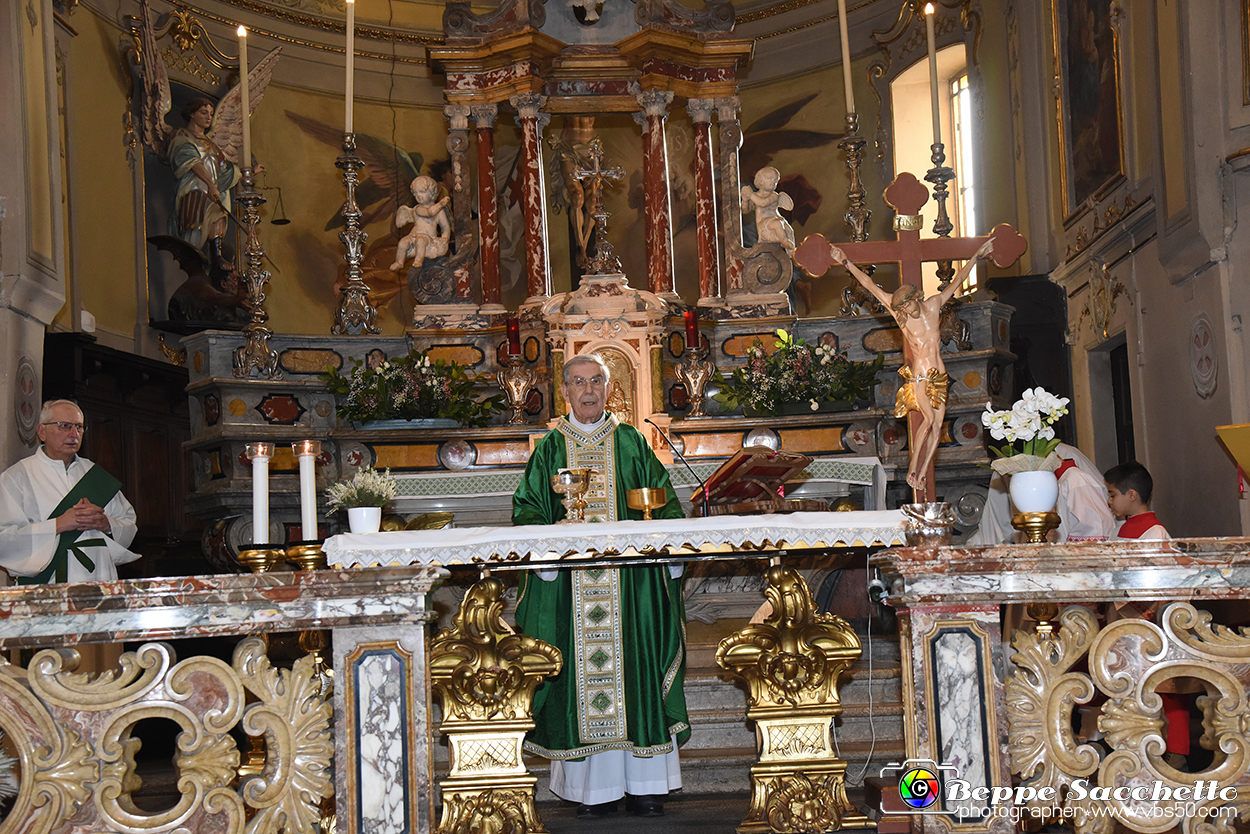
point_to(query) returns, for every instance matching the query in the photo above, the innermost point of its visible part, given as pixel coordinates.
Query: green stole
(598, 652)
(98, 487)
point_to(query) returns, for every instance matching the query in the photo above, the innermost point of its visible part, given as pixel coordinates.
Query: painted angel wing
(227, 130)
(156, 97)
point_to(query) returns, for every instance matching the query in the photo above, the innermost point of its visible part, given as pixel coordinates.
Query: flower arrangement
(1030, 423)
(367, 488)
(412, 387)
(796, 373)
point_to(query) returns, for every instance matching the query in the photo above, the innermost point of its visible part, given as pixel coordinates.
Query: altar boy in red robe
(1129, 486)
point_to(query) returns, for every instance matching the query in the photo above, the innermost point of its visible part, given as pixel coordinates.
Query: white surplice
(31, 489)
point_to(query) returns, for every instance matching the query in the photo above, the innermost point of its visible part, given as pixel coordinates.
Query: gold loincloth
(936, 383)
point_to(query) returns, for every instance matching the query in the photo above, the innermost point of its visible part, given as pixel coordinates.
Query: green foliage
(412, 387)
(796, 373)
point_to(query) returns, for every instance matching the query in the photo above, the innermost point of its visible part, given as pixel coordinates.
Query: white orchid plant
(1028, 429)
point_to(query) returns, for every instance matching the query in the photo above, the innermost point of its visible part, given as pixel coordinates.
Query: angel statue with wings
(203, 154)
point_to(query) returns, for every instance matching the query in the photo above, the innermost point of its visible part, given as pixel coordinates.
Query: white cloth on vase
(1082, 505)
(609, 775)
(31, 489)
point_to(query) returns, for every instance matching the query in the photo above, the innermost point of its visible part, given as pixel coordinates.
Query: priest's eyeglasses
(596, 381)
(65, 426)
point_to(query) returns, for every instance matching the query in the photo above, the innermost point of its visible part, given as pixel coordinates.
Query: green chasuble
(621, 632)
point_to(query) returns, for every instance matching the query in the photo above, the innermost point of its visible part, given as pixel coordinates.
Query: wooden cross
(906, 195)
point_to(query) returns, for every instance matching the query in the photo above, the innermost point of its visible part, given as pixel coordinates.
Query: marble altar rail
(366, 744)
(993, 709)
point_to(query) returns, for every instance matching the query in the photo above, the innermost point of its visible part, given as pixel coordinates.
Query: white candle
(247, 110)
(307, 451)
(260, 453)
(846, 57)
(351, 61)
(933, 74)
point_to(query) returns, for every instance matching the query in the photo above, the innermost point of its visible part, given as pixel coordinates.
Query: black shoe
(645, 805)
(597, 812)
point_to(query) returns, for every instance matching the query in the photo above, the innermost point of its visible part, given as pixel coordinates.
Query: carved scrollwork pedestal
(485, 675)
(792, 662)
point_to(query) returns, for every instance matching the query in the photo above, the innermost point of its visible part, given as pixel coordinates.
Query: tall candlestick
(846, 56)
(307, 451)
(351, 61)
(247, 110)
(514, 336)
(692, 329)
(260, 453)
(933, 73)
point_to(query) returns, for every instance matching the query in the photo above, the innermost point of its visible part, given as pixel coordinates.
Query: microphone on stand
(682, 458)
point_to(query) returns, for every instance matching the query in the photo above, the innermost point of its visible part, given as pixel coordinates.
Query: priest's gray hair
(587, 357)
(45, 413)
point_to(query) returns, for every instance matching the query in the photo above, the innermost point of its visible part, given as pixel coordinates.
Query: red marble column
(700, 110)
(655, 187)
(461, 204)
(488, 206)
(533, 204)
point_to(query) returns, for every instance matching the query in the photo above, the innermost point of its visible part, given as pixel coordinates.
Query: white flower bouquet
(1029, 431)
(367, 488)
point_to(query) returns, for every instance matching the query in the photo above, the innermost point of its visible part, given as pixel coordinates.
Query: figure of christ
(431, 229)
(924, 385)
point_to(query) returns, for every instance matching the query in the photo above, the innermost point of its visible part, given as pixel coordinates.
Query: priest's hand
(83, 516)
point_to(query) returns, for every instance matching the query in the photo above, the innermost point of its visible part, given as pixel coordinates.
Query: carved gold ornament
(1130, 662)
(792, 662)
(484, 675)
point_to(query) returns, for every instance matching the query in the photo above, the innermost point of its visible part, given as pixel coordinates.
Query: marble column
(731, 215)
(461, 203)
(655, 185)
(533, 199)
(700, 110)
(483, 116)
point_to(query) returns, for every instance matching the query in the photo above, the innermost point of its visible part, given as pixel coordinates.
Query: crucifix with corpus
(922, 394)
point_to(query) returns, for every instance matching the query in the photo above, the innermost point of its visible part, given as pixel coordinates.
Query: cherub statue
(205, 153)
(431, 230)
(924, 379)
(767, 202)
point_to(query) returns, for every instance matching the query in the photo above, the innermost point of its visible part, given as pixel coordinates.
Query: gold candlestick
(255, 352)
(355, 316)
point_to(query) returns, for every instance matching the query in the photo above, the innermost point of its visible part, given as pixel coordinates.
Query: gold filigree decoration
(294, 717)
(493, 811)
(1103, 292)
(795, 656)
(190, 63)
(484, 675)
(1041, 693)
(792, 662)
(480, 668)
(176, 355)
(800, 804)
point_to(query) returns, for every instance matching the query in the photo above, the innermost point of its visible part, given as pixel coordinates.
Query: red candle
(692, 329)
(514, 336)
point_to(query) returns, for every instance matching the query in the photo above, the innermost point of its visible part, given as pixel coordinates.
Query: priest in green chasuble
(611, 720)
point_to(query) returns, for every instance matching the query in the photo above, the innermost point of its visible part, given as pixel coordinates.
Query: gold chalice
(646, 499)
(572, 484)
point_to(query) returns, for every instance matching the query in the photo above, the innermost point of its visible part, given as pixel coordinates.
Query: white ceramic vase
(1034, 492)
(364, 519)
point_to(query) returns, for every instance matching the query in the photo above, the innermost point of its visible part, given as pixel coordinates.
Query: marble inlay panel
(961, 725)
(381, 712)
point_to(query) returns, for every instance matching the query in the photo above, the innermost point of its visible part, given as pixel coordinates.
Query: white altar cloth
(553, 542)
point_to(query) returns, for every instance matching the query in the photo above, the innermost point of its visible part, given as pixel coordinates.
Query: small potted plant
(363, 497)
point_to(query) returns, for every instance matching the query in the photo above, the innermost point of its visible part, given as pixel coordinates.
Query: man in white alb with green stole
(611, 720)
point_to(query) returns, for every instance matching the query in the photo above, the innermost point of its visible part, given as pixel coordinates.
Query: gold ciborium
(572, 484)
(646, 499)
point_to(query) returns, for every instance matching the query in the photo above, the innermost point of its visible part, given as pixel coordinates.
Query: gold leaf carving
(294, 717)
